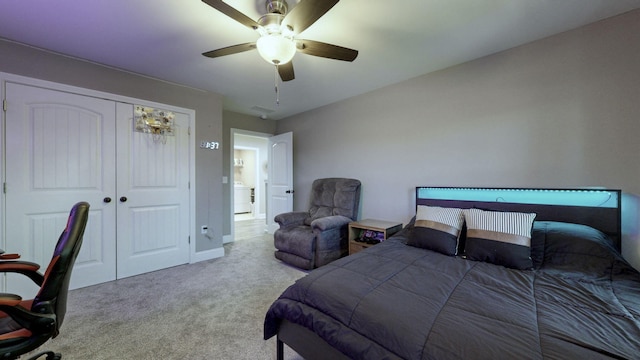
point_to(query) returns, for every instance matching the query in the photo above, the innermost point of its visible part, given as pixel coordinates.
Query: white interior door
(153, 196)
(280, 189)
(60, 149)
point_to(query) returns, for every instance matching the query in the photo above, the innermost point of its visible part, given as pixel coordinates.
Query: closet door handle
(123, 199)
(107, 200)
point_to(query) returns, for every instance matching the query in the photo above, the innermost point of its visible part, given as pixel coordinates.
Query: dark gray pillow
(501, 238)
(575, 246)
(437, 228)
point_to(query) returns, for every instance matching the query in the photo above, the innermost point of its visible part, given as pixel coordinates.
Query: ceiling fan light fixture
(276, 49)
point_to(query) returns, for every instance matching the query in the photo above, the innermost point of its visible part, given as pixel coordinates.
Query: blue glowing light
(577, 197)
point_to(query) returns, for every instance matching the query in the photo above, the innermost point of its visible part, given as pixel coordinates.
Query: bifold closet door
(60, 149)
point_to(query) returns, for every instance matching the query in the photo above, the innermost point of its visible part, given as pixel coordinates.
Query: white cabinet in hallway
(241, 199)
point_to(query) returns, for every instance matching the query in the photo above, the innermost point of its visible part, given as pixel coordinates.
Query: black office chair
(27, 324)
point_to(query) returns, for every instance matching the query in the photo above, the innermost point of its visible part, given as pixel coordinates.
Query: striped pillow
(437, 228)
(502, 238)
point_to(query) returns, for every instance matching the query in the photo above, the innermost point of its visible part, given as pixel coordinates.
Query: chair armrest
(27, 268)
(330, 222)
(291, 218)
(33, 321)
(10, 299)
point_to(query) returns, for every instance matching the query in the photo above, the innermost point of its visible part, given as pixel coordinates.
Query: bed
(567, 293)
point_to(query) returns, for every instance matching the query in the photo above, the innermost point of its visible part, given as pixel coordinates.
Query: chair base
(50, 355)
(294, 260)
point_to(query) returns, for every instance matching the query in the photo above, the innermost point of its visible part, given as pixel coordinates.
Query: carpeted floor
(249, 228)
(208, 310)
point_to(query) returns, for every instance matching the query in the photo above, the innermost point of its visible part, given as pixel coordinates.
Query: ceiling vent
(262, 110)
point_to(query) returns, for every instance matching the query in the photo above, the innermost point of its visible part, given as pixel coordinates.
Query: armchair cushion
(334, 196)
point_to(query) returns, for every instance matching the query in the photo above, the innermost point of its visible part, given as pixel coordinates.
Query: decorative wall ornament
(159, 123)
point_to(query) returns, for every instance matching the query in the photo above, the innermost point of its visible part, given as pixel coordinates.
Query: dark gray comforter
(581, 301)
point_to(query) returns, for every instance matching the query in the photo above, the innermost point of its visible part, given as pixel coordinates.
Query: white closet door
(153, 196)
(60, 149)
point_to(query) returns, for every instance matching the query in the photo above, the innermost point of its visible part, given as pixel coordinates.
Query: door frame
(12, 78)
(259, 189)
(233, 132)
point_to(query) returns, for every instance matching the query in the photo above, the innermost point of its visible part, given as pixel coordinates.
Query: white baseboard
(227, 239)
(207, 255)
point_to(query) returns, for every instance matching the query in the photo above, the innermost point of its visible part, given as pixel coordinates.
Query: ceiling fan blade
(229, 50)
(232, 13)
(317, 48)
(286, 71)
(306, 13)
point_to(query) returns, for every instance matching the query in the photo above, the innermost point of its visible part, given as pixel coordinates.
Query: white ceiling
(397, 40)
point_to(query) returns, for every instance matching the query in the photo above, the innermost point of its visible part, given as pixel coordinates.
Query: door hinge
(189, 185)
(4, 105)
(4, 188)
(189, 130)
(189, 239)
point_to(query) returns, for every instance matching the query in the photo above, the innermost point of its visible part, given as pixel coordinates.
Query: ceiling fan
(279, 29)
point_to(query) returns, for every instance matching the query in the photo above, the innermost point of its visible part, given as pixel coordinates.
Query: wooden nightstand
(384, 229)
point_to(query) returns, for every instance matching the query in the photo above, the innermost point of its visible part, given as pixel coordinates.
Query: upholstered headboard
(598, 208)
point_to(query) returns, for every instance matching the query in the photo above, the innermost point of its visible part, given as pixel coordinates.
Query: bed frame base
(304, 342)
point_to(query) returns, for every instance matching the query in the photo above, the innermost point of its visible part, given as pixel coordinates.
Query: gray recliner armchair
(310, 239)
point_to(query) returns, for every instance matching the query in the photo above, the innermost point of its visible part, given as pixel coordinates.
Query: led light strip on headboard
(571, 197)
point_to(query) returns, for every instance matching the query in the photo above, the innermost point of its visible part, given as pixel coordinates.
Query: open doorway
(249, 179)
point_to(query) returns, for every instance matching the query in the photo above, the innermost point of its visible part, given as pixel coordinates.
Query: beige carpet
(209, 310)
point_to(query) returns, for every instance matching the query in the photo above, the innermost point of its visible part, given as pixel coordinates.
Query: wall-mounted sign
(211, 145)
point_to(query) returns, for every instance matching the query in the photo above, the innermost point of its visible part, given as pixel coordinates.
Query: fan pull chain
(275, 79)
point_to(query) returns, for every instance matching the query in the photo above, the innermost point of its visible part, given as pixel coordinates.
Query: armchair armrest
(27, 268)
(330, 222)
(291, 218)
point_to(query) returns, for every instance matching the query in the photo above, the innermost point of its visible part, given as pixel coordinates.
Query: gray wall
(560, 112)
(27, 61)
